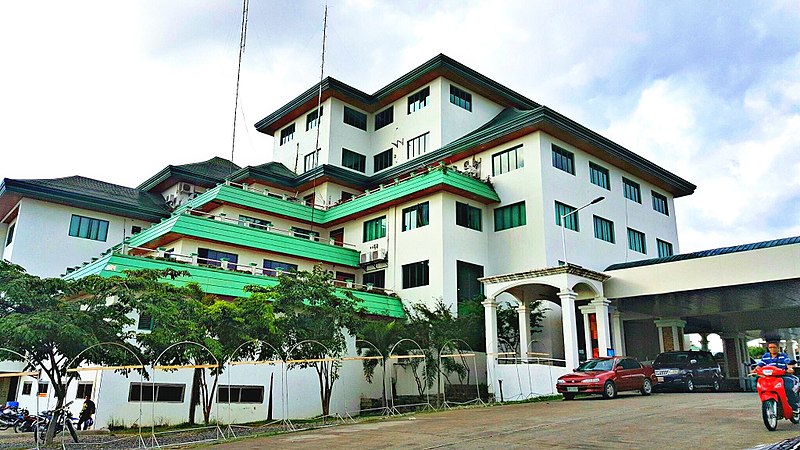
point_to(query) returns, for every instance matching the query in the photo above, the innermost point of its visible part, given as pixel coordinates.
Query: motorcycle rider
(774, 357)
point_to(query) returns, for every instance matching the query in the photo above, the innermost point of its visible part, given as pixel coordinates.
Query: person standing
(88, 409)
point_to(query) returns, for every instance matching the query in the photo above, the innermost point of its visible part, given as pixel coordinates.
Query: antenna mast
(242, 41)
(319, 110)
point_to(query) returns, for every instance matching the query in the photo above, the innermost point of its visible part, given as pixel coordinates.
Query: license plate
(660, 379)
(572, 389)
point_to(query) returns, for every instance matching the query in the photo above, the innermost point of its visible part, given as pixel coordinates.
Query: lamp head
(597, 200)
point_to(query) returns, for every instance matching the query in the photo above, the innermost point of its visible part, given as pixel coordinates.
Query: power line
(242, 41)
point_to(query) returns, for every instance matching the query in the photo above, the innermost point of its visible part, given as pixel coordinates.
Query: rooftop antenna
(242, 41)
(319, 112)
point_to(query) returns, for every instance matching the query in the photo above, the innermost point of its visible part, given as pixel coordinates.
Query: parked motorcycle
(25, 422)
(62, 416)
(9, 415)
(774, 404)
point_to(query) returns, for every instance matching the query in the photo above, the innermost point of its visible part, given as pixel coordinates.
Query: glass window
(570, 221)
(460, 98)
(599, 175)
(660, 203)
(377, 278)
(469, 216)
(603, 229)
(27, 387)
(383, 160)
(510, 216)
(417, 146)
(664, 248)
(312, 119)
(10, 235)
(145, 321)
(88, 228)
(415, 274)
(164, 392)
(418, 100)
(287, 134)
(507, 160)
(375, 228)
(353, 160)
(384, 118)
(467, 285)
(214, 257)
(337, 236)
(84, 389)
(254, 222)
(43, 387)
(563, 159)
(632, 190)
(636, 241)
(136, 229)
(304, 233)
(240, 394)
(311, 161)
(415, 216)
(274, 266)
(355, 118)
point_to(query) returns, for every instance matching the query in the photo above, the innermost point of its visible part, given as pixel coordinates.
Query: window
(636, 241)
(507, 160)
(467, 284)
(214, 257)
(603, 229)
(375, 228)
(27, 386)
(337, 236)
(468, 216)
(240, 394)
(88, 228)
(418, 100)
(312, 119)
(599, 175)
(571, 221)
(275, 266)
(382, 160)
(254, 222)
(308, 200)
(43, 387)
(346, 196)
(344, 276)
(353, 160)
(311, 161)
(415, 216)
(135, 229)
(509, 216)
(660, 203)
(632, 191)
(629, 364)
(417, 146)
(145, 321)
(84, 389)
(377, 279)
(355, 118)
(384, 118)
(10, 235)
(415, 274)
(460, 98)
(164, 392)
(287, 134)
(563, 159)
(305, 234)
(664, 248)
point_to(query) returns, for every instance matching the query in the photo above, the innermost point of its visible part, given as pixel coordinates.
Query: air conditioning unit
(187, 188)
(373, 256)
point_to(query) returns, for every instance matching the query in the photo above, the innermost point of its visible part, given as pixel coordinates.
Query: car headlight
(591, 380)
(560, 382)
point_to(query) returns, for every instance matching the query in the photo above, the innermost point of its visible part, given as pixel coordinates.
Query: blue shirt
(781, 361)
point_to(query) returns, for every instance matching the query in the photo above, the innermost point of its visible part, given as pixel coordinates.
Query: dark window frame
(311, 160)
(416, 274)
(273, 265)
(287, 134)
(418, 100)
(460, 98)
(599, 176)
(354, 160)
(215, 261)
(502, 161)
(224, 393)
(571, 222)
(384, 118)
(665, 249)
(417, 146)
(355, 118)
(416, 216)
(376, 278)
(10, 235)
(134, 392)
(374, 229)
(510, 216)
(636, 237)
(383, 160)
(603, 229)
(563, 159)
(88, 228)
(313, 119)
(469, 216)
(660, 203)
(632, 190)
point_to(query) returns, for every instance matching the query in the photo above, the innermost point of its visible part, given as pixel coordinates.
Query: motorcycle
(26, 422)
(9, 415)
(774, 404)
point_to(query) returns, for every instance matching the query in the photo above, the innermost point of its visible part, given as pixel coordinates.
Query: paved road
(661, 421)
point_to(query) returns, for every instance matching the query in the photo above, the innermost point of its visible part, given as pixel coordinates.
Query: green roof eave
(223, 282)
(90, 202)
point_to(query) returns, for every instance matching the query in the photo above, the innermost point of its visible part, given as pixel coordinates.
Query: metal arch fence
(384, 409)
(459, 354)
(427, 404)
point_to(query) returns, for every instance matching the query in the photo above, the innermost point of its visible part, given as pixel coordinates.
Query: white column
(569, 327)
(675, 327)
(603, 329)
(587, 331)
(490, 326)
(617, 332)
(524, 329)
(790, 348)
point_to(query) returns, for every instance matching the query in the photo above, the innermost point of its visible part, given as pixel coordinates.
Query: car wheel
(647, 387)
(609, 390)
(568, 396)
(689, 385)
(716, 386)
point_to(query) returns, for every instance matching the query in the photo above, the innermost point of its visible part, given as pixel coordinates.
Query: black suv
(687, 370)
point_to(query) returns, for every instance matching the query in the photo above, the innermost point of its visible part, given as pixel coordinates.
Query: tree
(309, 312)
(508, 322)
(376, 338)
(51, 321)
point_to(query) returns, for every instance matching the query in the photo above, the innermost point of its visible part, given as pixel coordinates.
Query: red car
(607, 376)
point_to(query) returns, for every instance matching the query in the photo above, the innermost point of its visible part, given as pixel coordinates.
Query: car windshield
(671, 358)
(599, 365)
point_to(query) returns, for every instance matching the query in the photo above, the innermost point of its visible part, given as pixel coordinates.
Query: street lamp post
(564, 224)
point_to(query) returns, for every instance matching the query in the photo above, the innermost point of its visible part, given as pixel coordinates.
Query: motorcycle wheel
(769, 412)
(795, 419)
(4, 425)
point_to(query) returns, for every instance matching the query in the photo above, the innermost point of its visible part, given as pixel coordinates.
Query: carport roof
(706, 253)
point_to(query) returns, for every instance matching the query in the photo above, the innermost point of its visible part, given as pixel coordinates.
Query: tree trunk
(269, 403)
(195, 397)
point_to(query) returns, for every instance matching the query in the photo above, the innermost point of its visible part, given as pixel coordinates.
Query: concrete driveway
(660, 421)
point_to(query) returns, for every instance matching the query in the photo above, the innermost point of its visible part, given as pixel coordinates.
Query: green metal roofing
(707, 253)
(91, 194)
(222, 282)
(234, 234)
(205, 173)
(438, 62)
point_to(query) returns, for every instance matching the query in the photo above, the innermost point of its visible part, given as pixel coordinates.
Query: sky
(708, 90)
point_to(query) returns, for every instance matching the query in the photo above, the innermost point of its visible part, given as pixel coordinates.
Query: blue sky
(709, 91)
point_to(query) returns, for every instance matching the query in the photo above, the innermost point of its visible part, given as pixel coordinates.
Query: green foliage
(756, 352)
(508, 322)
